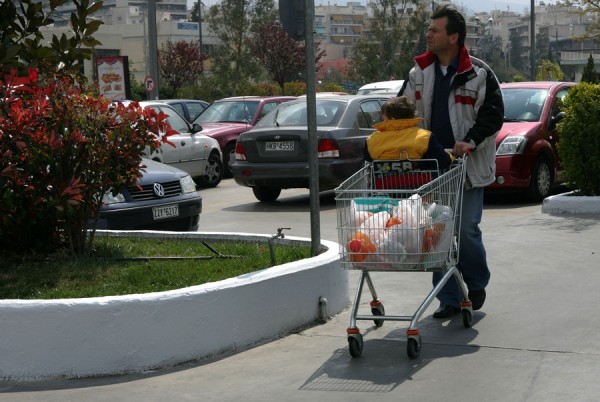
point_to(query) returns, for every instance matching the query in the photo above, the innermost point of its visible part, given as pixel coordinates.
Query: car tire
(541, 180)
(214, 172)
(228, 159)
(266, 194)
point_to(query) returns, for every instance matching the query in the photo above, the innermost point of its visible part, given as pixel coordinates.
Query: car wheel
(266, 194)
(541, 180)
(228, 159)
(214, 172)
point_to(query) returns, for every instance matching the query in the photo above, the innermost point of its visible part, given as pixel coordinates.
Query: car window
(557, 105)
(178, 107)
(175, 120)
(369, 114)
(329, 112)
(228, 111)
(194, 109)
(267, 107)
(524, 103)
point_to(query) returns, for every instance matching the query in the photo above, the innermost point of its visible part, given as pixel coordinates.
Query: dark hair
(399, 108)
(456, 21)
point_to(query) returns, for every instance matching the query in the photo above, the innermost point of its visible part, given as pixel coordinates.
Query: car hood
(513, 129)
(156, 171)
(210, 129)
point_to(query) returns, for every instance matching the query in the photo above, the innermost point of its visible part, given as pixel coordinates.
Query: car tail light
(240, 153)
(328, 148)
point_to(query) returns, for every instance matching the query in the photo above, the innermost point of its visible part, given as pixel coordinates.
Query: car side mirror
(196, 128)
(555, 119)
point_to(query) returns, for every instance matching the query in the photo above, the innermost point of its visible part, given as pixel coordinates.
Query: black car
(274, 154)
(167, 200)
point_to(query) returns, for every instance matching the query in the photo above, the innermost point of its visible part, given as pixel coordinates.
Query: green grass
(122, 266)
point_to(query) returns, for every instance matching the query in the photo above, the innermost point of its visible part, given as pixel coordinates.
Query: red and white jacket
(475, 105)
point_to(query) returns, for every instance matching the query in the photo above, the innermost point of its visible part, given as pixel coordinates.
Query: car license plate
(279, 146)
(169, 211)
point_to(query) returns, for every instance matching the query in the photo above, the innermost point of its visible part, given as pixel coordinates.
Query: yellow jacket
(395, 136)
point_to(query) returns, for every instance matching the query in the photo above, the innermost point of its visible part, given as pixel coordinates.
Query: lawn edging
(74, 338)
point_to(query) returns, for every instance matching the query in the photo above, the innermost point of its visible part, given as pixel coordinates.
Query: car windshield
(523, 104)
(239, 111)
(328, 113)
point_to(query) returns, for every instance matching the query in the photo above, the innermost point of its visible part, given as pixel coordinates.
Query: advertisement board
(113, 77)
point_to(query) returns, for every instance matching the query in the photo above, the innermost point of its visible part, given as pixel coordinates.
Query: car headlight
(511, 146)
(109, 198)
(187, 184)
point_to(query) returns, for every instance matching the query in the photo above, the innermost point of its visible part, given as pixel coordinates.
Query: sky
(472, 6)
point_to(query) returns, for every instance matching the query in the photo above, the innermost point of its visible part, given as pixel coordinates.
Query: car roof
(534, 84)
(183, 100)
(383, 84)
(255, 97)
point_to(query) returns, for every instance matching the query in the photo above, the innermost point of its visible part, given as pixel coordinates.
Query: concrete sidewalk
(536, 339)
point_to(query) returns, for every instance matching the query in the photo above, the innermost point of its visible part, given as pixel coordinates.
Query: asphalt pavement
(536, 338)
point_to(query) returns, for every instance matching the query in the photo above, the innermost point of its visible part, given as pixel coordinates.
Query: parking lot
(534, 340)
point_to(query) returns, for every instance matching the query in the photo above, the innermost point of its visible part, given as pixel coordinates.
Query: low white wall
(46, 339)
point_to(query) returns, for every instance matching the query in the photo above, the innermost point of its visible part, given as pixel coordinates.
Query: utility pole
(153, 48)
(200, 34)
(532, 41)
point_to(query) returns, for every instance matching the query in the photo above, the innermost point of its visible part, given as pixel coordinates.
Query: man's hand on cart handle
(462, 148)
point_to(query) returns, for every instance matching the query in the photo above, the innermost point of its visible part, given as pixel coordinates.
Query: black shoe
(446, 311)
(477, 297)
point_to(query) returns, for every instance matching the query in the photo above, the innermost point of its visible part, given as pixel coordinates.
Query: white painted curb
(570, 204)
(67, 338)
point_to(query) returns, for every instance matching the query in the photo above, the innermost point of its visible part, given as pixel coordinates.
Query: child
(398, 135)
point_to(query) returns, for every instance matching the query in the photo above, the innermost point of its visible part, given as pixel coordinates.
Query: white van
(382, 87)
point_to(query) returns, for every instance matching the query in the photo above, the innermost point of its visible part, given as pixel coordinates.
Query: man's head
(447, 30)
(398, 108)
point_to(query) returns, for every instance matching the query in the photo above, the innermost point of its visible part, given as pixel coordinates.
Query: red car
(225, 119)
(526, 156)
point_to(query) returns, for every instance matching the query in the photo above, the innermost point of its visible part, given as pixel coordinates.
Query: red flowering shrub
(60, 151)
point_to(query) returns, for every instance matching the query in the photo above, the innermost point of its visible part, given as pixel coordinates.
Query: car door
(189, 153)
(556, 108)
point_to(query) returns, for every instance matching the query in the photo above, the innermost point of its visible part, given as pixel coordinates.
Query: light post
(200, 35)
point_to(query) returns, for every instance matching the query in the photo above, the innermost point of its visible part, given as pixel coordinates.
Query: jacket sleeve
(490, 116)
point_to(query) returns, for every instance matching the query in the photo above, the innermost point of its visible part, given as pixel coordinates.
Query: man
(460, 100)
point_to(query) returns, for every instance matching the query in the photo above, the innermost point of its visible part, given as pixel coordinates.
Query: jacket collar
(464, 62)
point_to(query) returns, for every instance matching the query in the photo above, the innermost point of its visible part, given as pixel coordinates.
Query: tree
(589, 71)
(282, 56)
(517, 52)
(396, 34)
(548, 71)
(22, 44)
(180, 63)
(232, 22)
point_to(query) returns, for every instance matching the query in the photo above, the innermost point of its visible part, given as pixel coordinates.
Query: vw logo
(159, 190)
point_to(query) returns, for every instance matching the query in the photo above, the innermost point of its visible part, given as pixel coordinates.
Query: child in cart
(398, 136)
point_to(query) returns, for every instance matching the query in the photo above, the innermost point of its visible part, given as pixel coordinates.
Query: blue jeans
(472, 262)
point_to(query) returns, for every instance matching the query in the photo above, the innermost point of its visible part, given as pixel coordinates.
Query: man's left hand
(462, 148)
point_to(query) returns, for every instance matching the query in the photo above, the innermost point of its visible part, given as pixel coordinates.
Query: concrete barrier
(68, 338)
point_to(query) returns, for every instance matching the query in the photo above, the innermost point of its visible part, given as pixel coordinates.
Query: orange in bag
(359, 246)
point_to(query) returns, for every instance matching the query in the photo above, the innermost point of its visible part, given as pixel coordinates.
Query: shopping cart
(401, 216)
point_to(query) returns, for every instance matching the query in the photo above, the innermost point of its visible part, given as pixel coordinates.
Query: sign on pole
(149, 84)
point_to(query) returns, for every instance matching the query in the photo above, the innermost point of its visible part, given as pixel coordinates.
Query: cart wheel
(355, 344)
(413, 347)
(378, 310)
(467, 317)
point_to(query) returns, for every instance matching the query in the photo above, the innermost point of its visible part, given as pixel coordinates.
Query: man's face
(438, 40)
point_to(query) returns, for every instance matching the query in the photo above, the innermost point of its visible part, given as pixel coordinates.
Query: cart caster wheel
(467, 317)
(378, 310)
(413, 347)
(355, 344)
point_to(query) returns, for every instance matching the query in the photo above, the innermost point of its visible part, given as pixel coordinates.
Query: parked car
(194, 152)
(526, 155)
(166, 199)
(188, 108)
(274, 154)
(225, 119)
(381, 87)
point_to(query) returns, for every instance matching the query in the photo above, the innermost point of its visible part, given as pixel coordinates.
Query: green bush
(579, 144)
(295, 88)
